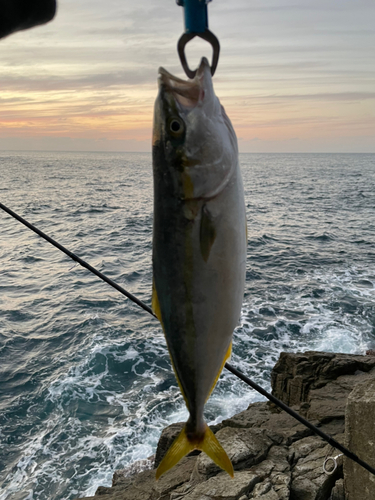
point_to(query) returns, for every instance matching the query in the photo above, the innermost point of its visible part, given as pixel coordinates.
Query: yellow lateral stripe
(226, 357)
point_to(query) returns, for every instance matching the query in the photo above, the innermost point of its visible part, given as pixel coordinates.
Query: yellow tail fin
(181, 446)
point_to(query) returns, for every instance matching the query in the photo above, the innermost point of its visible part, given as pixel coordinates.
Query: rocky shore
(274, 456)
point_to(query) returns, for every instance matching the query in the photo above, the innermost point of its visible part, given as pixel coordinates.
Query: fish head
(193, 141)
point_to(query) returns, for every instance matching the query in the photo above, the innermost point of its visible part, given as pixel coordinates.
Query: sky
(293, 76)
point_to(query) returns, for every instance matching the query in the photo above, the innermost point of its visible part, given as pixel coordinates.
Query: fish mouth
(188, 93)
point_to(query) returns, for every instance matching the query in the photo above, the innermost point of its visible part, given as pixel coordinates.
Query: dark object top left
(18, 15)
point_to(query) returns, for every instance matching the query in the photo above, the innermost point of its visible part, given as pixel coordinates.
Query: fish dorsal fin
(207, 233)
(226, 357)
(181, 446)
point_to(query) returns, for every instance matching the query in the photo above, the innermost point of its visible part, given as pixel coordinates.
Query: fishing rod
(228, 366)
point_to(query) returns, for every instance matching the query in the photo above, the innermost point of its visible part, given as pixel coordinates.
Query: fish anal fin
(181, 446)
(226, 357)
(207, 233)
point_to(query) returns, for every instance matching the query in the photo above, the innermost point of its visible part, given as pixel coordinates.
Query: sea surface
(86, 384)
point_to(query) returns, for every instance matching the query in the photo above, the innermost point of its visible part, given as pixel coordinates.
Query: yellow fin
(181, 446)
(216, 452)
(227, 356)
(155, 302)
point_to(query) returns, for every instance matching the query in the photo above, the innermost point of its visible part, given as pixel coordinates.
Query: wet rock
(121, 475)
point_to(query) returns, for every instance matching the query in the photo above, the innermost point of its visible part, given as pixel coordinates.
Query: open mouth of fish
(187, 93)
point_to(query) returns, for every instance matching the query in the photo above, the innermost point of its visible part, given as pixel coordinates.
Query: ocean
(86, 384)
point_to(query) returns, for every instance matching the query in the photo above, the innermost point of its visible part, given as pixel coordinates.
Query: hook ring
(334, 460)
(210, 38)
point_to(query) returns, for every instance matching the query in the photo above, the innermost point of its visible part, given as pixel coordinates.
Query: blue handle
(195, 13)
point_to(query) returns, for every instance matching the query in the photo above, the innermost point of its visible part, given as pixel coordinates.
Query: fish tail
(182, 445)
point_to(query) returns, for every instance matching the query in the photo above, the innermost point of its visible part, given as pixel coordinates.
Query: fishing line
(229, 367)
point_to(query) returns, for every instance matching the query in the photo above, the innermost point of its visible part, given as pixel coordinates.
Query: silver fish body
(199, 244)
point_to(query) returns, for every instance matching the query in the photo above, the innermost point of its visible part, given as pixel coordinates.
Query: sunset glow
(292, 78)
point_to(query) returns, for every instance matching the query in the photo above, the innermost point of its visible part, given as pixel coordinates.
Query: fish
(199, 246)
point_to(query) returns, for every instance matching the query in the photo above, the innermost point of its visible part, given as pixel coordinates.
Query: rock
(279, 426)
(223, 487)
(121, 475)
(174, 478)
(338, 492)
(360, 439)
(329, 401)
(309, 481)
(274, 456)
(138, 487)
(296, 373)
(245, 447)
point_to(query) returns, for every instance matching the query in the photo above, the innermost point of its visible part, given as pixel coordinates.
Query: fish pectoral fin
(207, 233)
(181, 446)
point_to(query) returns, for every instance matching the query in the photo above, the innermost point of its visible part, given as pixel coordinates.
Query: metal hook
(210, 38)
(334, 460)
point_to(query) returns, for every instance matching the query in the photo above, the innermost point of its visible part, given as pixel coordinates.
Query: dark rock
(360, 432)
(338, 492)
(296, 373)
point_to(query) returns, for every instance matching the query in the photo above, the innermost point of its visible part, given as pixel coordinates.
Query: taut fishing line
(229, 367)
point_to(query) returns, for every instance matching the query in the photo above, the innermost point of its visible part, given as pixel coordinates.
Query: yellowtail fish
(199, 246)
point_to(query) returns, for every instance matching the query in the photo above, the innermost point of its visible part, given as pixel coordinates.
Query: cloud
(92, 72)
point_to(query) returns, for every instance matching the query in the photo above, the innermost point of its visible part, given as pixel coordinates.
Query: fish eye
(176, 126)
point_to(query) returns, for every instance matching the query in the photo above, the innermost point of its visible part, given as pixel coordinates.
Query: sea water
(86, 384)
